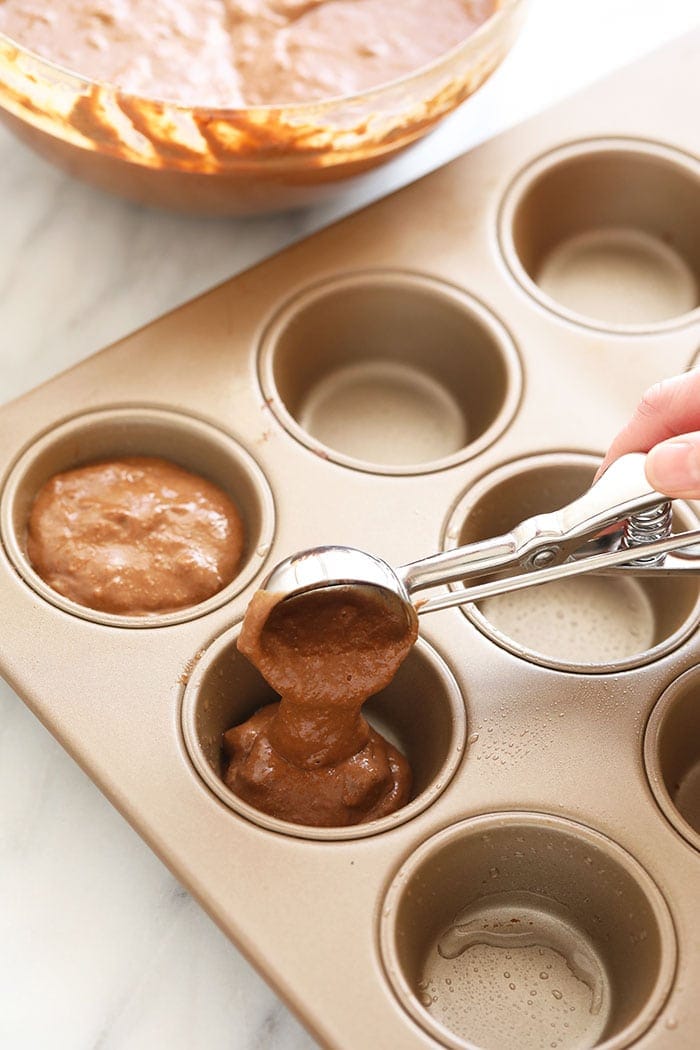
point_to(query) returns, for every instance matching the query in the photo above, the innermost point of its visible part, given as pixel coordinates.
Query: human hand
(666, 424)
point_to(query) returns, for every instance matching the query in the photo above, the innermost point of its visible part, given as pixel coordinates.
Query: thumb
(673, 466)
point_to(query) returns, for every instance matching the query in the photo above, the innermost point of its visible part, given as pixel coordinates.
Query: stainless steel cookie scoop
(619, 524)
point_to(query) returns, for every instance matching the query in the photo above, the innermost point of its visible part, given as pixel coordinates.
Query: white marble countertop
(101, 948)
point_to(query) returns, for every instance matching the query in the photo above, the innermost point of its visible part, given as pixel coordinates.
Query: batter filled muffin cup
(390, 372)
(588, 623)
(217, 473)
(672, 754)
(421, 713)
(521, 931)
(601, 232)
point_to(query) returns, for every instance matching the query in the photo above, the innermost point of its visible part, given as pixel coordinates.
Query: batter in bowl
(313, 758)
(134, 536)
(232, 53)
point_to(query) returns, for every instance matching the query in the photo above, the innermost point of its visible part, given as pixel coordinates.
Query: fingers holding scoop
(666, 423)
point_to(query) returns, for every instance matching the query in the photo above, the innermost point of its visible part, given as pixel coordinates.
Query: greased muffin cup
(520, 929)
(390, 371)
(672, 755)
(402, 383)
(600, 231)
(586, 623)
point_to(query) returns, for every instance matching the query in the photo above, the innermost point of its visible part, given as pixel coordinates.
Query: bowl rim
(81, 82)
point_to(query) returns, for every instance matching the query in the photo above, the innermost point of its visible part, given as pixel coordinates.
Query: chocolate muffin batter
(312, 758)
(233, 53)
(134, 536)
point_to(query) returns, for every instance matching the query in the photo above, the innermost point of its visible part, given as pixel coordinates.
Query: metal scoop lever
(592, 534)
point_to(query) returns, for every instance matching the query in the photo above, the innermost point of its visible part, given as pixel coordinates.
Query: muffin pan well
(421, 712)
(390, 371)
(602, 231)
(416, 377)
(509, 927)
(583, 623)
(672, 754)
(138, 430)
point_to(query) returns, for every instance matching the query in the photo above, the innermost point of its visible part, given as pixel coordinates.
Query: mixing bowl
(236, 161)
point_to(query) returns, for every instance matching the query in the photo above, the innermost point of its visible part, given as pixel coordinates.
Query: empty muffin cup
(521, 931)
(587, 623)
(602, 233)
(390, 372)
(190, 443)
(421, 712)
(672, 754)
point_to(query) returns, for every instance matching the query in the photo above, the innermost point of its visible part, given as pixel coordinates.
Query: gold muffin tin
(425, 373)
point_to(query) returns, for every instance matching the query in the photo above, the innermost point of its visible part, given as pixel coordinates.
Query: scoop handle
(613, 561)
(546, 538)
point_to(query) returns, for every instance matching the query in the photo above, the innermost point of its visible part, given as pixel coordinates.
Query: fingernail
(674, 467)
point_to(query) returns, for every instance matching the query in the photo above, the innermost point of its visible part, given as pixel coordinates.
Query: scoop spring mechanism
(620, 524)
